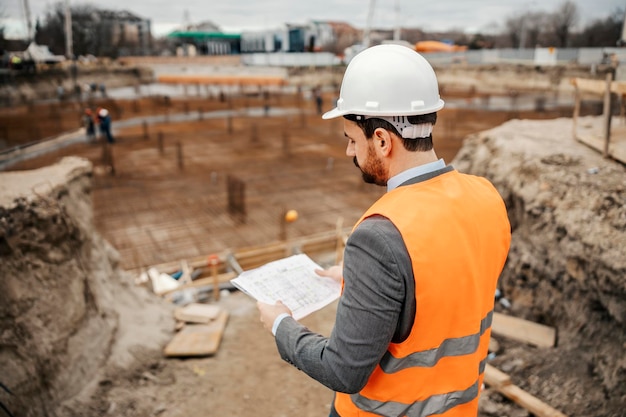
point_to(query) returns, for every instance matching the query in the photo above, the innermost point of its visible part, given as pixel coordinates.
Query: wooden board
(197, 313)
(496, 378)
(598, 87)
(501, 382)
(205, 282)
(523, 330)
(185, 278)
(531, 403)
(595, 140)
(221, 79)
(494, 346)
(595, 87)
(198, 339)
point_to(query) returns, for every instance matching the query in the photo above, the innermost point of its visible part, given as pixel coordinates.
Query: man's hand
(269, 312)
(335, 272)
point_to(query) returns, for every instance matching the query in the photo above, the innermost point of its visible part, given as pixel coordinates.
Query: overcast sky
(471, 16)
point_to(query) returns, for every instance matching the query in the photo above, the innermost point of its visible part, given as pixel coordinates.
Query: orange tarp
(436, 46)
(220, 79)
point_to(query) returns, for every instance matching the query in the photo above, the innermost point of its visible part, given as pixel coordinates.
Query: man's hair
(369, 126)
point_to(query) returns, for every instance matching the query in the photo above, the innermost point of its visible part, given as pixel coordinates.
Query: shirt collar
(396, 180)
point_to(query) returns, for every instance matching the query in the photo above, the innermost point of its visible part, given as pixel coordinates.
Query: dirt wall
(567, 263)
(68, 314)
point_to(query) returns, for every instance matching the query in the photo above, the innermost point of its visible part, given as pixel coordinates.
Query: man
(90, 125)
(104, 120)
(420, 267)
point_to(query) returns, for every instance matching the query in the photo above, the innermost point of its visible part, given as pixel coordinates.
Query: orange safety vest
(457, 233)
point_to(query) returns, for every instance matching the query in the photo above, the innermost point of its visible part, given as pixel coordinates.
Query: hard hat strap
(406, 128)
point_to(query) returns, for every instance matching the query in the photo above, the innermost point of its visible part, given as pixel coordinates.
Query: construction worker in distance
(420, 267)
(90, 125)
(104, 121)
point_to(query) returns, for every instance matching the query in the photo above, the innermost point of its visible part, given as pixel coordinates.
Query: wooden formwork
(237, 80)
(317, 246)
(606, 137)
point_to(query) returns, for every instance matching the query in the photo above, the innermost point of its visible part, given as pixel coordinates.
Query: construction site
(104, 245)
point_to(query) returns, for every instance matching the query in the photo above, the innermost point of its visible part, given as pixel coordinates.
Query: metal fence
(534, 56)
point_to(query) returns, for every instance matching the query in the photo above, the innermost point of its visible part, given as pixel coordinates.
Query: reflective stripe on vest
(436, 404)
(450, 347)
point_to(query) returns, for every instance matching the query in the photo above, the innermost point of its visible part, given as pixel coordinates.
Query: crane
(368, 24)
(29, 23)
(69, 45)
(396, 31)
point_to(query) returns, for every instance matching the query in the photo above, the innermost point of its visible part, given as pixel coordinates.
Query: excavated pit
(78, 338)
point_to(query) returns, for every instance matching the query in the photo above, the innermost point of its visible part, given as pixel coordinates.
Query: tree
(84, 29)
(51, 32)
(94, 31)
(534, 24)
(602, 32)
(563, 20)
(2, 28)
(513, 28)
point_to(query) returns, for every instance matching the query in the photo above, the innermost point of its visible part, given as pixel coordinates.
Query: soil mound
(567, 263)
(69, 315)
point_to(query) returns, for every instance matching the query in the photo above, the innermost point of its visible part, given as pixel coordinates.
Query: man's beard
(373, 171)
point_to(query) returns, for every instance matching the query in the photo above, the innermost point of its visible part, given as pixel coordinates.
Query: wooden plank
(619, 87)
(523, 330)
(606, 113)
(198, 339)
(494, 346)
(221, 79)
(251, 257)
(197, 313)
(185, 278)
(610, 142)
(598, 87)
(585, 85)
(531, 403)
(576, 113)
(214, 261)
(204, 282)
(617, 144)
(496, 378)
(501, 382)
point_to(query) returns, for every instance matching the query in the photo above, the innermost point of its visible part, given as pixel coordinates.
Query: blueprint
(291, 280)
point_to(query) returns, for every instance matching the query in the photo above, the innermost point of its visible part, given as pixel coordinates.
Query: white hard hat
(388, 80)
(103, 112)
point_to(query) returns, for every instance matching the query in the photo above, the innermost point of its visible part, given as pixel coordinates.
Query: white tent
(41, 54)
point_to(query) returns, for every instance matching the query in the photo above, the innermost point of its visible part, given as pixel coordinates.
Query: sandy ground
(245, 377)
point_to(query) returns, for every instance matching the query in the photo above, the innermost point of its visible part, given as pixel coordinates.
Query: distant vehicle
(437, 46)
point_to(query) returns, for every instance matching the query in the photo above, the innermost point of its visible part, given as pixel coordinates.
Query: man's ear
(382, 141)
